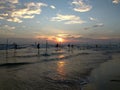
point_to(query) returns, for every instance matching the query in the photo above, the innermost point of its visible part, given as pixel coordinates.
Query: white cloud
(116, 1)
(8, 28)
(9, 1)
(15, 12)
(65, 35)
(14, 20)
(12, 1)
(93, 19)
(98, 25)
(81, 6)
(68, 19)
(53, 7)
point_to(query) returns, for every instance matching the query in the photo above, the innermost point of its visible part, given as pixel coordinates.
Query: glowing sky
(98, 19)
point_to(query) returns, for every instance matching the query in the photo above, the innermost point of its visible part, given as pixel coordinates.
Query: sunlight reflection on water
(61, 56)
(61, 69)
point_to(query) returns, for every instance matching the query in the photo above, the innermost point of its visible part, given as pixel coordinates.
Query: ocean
(76, 68)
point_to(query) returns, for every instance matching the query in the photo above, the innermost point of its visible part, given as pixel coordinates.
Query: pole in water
(72, 47)
(6, 50)
(46, 47)
(15, 47)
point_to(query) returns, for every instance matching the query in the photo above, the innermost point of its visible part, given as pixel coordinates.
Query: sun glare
(60, 40)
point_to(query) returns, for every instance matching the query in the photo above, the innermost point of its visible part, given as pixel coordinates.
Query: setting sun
(60, 40)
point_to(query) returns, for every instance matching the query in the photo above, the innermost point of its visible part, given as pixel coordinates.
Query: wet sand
(106, 76)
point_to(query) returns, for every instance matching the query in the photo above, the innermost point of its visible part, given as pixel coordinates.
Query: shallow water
(59, 70)
(106, 76)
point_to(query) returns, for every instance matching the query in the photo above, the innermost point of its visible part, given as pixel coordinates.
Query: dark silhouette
(96, 46)
(46, 47)
(6, 50)
(57, 46)
(68, 47)
(38, 47)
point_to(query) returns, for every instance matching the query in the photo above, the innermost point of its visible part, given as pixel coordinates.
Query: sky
(71, 20)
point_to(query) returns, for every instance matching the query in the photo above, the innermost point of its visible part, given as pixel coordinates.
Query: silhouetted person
(38, 47)
(68, 47)
(57, 45)
(96, 46)
(15, 46)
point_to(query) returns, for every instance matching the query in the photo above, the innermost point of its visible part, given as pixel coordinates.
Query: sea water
(62, 69)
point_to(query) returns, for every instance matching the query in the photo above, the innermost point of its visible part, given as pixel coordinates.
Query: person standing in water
(57, 46)
(68, 47)
(38, 47)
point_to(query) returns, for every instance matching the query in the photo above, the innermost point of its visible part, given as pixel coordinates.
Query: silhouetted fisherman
(38, 47)
(96, 46)
(57, 46)
(68, 47)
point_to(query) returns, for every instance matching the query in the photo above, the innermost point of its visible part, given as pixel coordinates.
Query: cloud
(53, 7)
(93, 19)
(98, 25)
(116, 1)
(68, 19)
(81, 6)
(8, 28)
(9, 1)
(65, 36)
(14, 12)
(94, 26)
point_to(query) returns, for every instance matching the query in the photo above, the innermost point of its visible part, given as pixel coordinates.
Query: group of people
(38, 46)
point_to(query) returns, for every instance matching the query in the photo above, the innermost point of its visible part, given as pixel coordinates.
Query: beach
(60, 69)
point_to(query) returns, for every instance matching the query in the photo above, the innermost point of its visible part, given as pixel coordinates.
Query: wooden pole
(46, 47)
(6, 50)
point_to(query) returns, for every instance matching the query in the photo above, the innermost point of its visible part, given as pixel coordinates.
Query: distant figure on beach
(38, 47)
(16, 46)
(68, 47)
(57, 46)
(96, 46)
